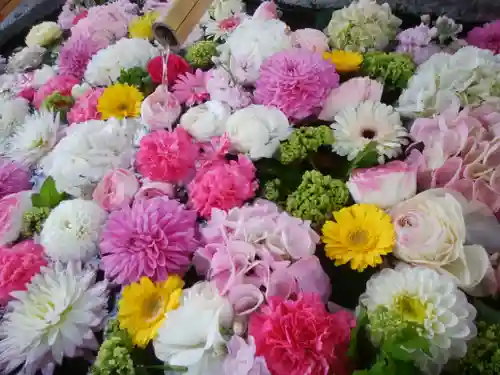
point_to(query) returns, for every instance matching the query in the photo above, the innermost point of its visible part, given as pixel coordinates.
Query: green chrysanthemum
(304, 141)
(393, 69)
(200, 54)
(33, 220)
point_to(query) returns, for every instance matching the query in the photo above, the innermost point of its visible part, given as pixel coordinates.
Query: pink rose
(311, 39)
(160, 109)
(384, 185)
(155, 189)
(12, 209)
(116, 189)
(350, 94)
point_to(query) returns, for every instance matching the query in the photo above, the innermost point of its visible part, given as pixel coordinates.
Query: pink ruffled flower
(14, 177)
(267, 10)
(300, 337)
(191, 88)
(221, 87)
(486, 37)
(80, 16)
(85, 107)
(68, 13)
(241, 359)
(75, 55)
(350, 94)
(296, 81)
(167, 156)
(116, 189)
(18, 265)
(60, 83)
(155, 189)
(12, 209)
(153, 238)
(417, 42)
(310, 39)
(161, 109)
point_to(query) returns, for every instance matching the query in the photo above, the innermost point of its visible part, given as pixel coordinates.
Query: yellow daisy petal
(345, 61)
(120, 101)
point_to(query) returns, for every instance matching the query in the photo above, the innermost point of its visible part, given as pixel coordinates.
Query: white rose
(190, 336)
(206, 120)
(258, 130)
(430, 231)
(43, 34)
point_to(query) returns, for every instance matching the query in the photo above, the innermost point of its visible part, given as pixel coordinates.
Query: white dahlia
(72, 230)
(369, 122)
(34, 138)
(12, 114)
(55, 317)
(89, 150)
(422, 298)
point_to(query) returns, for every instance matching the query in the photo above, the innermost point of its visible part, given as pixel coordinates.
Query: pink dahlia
(13, 178)
(297, 81)
(85, 107)
(154, 238)
(301, 337)
(17, 266)
(60, 83)
(167, 156)
(486, 37)
(75, 55)
(191, 88)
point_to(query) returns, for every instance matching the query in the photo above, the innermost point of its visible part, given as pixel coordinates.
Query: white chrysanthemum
(54, 318)
(72, 230)
(221, 9)
(12, 114)
(362, 26)
(89, 150)
(105, 67)
(42, 75)
(34, 138)
(27, 58)
(423, 297)
(355, 127)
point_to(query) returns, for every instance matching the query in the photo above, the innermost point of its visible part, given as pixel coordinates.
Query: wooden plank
(6, 7)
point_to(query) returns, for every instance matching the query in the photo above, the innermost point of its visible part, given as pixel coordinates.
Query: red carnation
(176, 66)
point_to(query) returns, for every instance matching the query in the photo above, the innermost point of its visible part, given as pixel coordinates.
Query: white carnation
(12, 114)
(105, 67)
(258, 130)
(72, 230)
(89, 150)
(206, 120)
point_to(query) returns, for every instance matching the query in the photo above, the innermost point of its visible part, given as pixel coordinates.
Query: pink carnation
(60, 83)
(297, 81)
(301, 337)
(75, 55)
(191, 88)
(13, 178)
(12, 209)
(153, 238)
(85, 107)
(17, 266)
(167, 156)
(486, 37)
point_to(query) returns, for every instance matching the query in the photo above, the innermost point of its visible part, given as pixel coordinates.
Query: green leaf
(366, 158)
(49, 196)
(361, 322)
(396, 351)
(486, 313)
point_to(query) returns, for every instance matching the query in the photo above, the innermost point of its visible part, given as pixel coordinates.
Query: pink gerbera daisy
(191, 88)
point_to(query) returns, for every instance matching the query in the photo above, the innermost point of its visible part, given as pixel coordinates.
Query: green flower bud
(393, 69)
(56, 102)
(271, 190)
(200, 54)
(33, 220)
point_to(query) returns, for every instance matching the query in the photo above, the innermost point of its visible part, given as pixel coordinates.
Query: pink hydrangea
(167, 156)
(14, 177)
(17, 266)
(76, 53)
(486, 37)
(298, 337)
(85, 107)
(297, 81)
(60, 83)
(221, 87)
(241, 359)
(417, 42)
(191, 88)
(154, 238)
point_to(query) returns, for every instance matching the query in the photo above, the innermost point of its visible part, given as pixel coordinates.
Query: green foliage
(200, 54)
(56, 102)
(33, 220)
(271, 190)
(483, 353)
(48, 197)
(304, 141)
(391, 68)
(139, 78)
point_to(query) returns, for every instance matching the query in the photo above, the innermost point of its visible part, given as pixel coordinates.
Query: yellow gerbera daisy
(142, 307)
(142, 27)
(345, 61)
(360, 235)
(120, 101)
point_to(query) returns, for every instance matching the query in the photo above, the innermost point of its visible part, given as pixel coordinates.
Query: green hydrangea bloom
(33, 220)
(304, 141)
(56, 102)
(200, 54)
(483, 353)
(137, 77)
(317, 197)
(393, 69)
(271, 190)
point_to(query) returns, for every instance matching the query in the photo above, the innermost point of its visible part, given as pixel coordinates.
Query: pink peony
(297, 81)
(153, 238)
(116, 189)
(310, 39)
(13, 178)
(155, 189)
(60, 83)
(221, 87)
(191, 88)
(167, 156)
(85, 107)
(12, 209)
(241, 359)
(300, 337)
(161, 109)
(486, 37)
(75, 55)
(17, 266)
(350, 94)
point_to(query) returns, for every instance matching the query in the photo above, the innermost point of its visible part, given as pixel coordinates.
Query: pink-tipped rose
(385, 185)
(160, 109)
(116, 189)
(350, 94)
(155, 189)
(311, 39)
(12, 209)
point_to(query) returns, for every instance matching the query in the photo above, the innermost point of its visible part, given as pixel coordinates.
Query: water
(165, 53)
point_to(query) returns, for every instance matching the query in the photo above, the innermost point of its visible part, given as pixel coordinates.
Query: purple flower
(417, 42)
(297, 81)
(76, 53)
(13, 178)
(241, 359)
(486, 37)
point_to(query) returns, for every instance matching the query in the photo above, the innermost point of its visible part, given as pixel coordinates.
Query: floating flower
(310, 39)
(241, 358)
(153, 238)
(392, 69)
(206, 120)
(222, 87)
(486, 36)
(85, 107)
(200, 54)
(12, 114)
(120, 101)
(345, 61)
(176, 66)
(43, 34)
(144, 305)
(161, 109)
(75, 55)
(142, 27)
(295, 81)
(60, 311)
(116, 189)
(12, 209)
(60, 83)
(417, 42)
(221, 29)
(155, 189)
(27, 58)
(191, 88)
(14, 178)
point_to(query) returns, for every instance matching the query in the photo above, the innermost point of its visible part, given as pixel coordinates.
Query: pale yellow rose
(43, 34)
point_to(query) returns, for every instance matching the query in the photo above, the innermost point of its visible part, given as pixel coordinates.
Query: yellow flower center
(411, 308)
(152, 307)
(359, 237)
